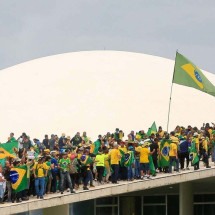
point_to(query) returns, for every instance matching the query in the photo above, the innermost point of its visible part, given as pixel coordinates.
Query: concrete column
(57, 210)
(185, 198)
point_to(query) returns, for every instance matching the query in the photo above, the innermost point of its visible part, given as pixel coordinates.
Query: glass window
(154, 210)
(173, 204)
(80, 208)
(204, 198)
(154, 199)
(204, 209)
(130, 205)
(107, 211)
(107, 201)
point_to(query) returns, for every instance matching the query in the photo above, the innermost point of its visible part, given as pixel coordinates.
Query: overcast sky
(34, 29)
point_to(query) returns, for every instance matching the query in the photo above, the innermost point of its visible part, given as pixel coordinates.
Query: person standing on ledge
(115, 157)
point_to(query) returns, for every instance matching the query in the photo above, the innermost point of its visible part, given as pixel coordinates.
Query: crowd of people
(64, 164)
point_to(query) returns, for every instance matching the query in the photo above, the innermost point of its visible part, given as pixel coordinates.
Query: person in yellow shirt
(107, 165)
(115, 157)
(160, 132)
(100, 164)
(173, 155)
(144, 159)
(40, 170)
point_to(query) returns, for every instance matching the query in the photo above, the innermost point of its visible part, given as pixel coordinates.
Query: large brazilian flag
(188, 74)
(164, 153)
(8, 149)
(18, 177)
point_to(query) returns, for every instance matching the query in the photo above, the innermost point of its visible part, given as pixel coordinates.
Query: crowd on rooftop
(64, 164)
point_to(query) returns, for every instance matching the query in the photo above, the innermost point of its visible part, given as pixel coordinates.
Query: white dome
(96, 91)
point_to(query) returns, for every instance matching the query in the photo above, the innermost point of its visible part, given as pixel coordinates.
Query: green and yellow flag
(152, 129)
(18, 177)
(164, 153)
(188, 74)
(8, 149)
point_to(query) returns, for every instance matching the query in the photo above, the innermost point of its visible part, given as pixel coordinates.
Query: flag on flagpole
(188, 74)
(152, 129)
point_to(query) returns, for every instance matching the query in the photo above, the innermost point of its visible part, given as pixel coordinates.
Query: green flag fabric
(122, 160)
(193, 154)
(129, 158)
(18, 177)
(8, 149)
(164, 150)
(96, 146)
(152, 129)
(151, 166)
(188, 74)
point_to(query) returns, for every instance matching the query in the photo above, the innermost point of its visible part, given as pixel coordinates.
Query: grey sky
(33, 29)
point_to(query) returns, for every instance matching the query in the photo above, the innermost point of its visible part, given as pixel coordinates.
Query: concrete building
(185, 193)
(82, 90)
(96, 92)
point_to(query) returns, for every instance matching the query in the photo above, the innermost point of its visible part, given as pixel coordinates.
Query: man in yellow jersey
(173, 156)
(40, 170)
(144, 160)
(160, 132)
(115, 157)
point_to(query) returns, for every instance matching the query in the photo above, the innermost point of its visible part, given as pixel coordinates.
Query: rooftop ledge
(106, 190)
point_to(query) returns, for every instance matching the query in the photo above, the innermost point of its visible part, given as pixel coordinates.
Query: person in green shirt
(64, 166)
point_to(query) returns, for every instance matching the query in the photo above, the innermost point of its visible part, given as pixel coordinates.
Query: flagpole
(170, 98)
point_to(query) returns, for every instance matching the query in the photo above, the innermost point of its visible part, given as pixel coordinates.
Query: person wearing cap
(64, 166)
(40, 170)
(115, 157)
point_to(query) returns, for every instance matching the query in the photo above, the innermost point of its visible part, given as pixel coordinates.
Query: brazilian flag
(129, 158)
(164, 153)
(8, 149)
(193, 154)
(96, 146)
(152, 129)
(188, 74)
(122, 160)
(85, 160)
(18, 177)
